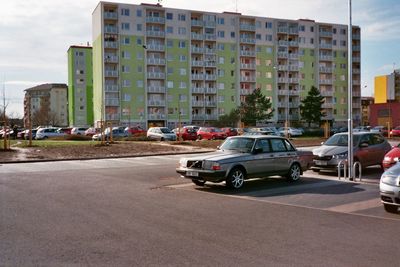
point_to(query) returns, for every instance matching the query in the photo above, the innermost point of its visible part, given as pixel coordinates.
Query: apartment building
(160, 66)
(80, 86)
(387, 87)
(46, 104)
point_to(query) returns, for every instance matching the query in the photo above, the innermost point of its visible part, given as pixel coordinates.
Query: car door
(282, 156)
(264, 159)
(379, 148)
(363, 154)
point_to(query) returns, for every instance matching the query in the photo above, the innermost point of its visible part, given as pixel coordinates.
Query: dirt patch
(118, 149)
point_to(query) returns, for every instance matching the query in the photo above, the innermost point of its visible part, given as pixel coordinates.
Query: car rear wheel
(198, 182)
(390, 208)
(213, 137)
(235, 178)
(294, 173)
(199, 137)
(162, 139)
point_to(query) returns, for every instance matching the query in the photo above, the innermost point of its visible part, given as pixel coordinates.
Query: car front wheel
(235, 178)
(294, 173)
(390, 208)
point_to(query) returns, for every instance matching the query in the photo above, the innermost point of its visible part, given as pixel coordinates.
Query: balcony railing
(325, 34)
(111, 88)
(155, 75)
(325, 58)
(197, 103)
(197, 77)
(156, 61)
(293, 67)
(211, 104)
(325, 69)
(325, 46)
(112, 117)
(356, 59)
(246, 91)
(293, 80)
(283, 43)
(155, 33)
(293, 55)
(210, 90)
(197, 90)
(111, 73)
(247, 27)
(198, 50)
(197, 63)
(196, 36)
(246, 53)
(156, 89)
(247, 66)
(294, 92)
(159, 20)
(356, 48)
(210, 64)
(113, 15)
(156, 116)
(155, 47)
(210, 77)
(248, 40)
(325, 81)
(282, 80)
(209, 24)
(111, 29)
(283, 30)
(247, 79)
(283, 67)
(111, 58)
(282, 55)
(197, 23)
(327, 93)
(109, 44)
(293, 43)
(112, 102)
(210, 51)
(210, 37)
(157, 103)
(293, 31)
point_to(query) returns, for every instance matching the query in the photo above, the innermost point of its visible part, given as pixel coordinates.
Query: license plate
(321, 162)
(192, 173)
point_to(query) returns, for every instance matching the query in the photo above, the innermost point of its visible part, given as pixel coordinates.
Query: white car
(161, 133)
(292, 131)
(44, 133)
(78, 130)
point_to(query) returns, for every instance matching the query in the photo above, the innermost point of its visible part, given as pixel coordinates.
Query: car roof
(355, 133)
(258, 136)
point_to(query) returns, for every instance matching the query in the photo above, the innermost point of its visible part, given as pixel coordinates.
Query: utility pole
(350, 96)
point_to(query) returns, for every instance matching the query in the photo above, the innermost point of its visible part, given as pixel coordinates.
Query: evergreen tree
(256, 108)
(311, 107)
(228, 120)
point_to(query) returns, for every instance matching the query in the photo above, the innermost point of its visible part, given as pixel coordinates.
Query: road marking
(356, 206)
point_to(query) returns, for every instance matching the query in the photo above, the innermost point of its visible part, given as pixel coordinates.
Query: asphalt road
(138, 212)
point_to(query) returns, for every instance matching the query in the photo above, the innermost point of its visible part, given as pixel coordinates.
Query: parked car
(66, 130)
(50, 132)
(292, 131)
(161, 133)
(389, 188)
(395, 131)
(362, 129)
(391, 158)
(26, 135)
(230, 131)
(117, 132)
(92, 131)
(380, 129)
(210, 133)
(368, 149)
(79, 130)
(186, 133)
(135, 131)
(243, 157)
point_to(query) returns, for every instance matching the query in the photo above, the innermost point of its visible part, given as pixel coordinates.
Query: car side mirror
(364, 144)
(257, 150)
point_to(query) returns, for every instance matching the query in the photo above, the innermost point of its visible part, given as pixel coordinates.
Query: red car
(395, 131)
(186, 133)
(230, 131)
(135, 131)
(391, 158)
(210, 133)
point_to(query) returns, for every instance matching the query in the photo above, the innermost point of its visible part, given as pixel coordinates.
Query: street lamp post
(350, 97)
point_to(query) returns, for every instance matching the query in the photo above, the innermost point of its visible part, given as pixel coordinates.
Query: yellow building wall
(380, 89)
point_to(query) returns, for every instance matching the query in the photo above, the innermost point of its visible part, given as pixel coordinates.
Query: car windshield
(165, 130)
(341, 140)
(240, 144)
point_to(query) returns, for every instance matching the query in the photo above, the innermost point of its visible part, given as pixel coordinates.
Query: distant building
(366, 102)
(386, 109)
(80, 86)
(160, 66)
(47, 104)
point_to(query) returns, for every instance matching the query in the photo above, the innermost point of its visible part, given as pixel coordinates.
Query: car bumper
(390, 194)
(327, 165)
(205, 175)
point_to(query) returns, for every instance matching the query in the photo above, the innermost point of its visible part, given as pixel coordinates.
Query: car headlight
(340, 156)
(182, 163)
(391, 180)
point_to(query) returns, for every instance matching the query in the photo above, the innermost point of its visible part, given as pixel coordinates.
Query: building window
(170, 70)
(126, 55)
(221, 86)
(182, 30)
(233, 47)
(127, 97)
(302, 28)
(138, 13)
(342, 43)
(311, 28)
(170, 16)
(125, 26)
(170, 29)
(126, 83)
(125, 40)
(268, 37)
(221, 34)
(221, 98)
(125, 69)
(139, 41)
(181, 17)
(269, 50)
(311, 40)
(125, 12)
(343, 31)
(139, 27)
(182, 58)
(268, 25)
(182, 72)
(139, 56)
(182, 44)
(170, 43)
(139, 83)
(232, 34)
(221, 21)
(221, 47)
(258, 36)
(170, 84)
(182, 85)
(221, 60)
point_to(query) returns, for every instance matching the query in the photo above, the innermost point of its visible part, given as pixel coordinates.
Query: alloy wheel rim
(237, 179)
(295, 172)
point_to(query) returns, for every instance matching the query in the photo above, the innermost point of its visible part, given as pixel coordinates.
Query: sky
(36, 34)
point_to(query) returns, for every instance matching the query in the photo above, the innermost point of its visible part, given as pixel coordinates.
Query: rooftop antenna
(236, 10)
(159, 2)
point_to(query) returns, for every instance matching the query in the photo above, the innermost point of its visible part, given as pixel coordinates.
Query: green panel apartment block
(165, 66)
(80, 86)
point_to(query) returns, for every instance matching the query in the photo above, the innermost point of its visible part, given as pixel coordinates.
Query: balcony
(211, 104)
(282, 54)
(155, 34)
(197, 36)
(282, 80)
(293, 31)
(293, 80)
(356, 71)
(111, 73)
(325, 58)
(293, 68)
(294, 104)
(156, 89)
(112, 117)
(210, 77)
(111, 88)
(294, 43)
(112, 45)
(282, 30)
(283, 43)
(356, 82)
(325, 34)
(247, 53)
(158, 20)
(210, 51)
(155, 75)
(325, 46)
(209, 24)
(293, 55)
(325, 69)
(156, 61)
(283, 92)
(113, 102)
(328, 93)
(356, 59)
(356, 105)
(247, 66)
(197, 103)
(210, 90)
(247, 79)
(210, 64)
(155, 47)
(325, 81)
(110, 15)
(327, 105)
(246, 91)
(356, 36)
(110, 58)
(197, 63)
(356, 48)
(156, 103)
(248, 40)
(247, 27)
(210, 37)
(197, 90)
(294, 92)
(294, 117)
(281, 105)
(111, 29)
(197, 50)
(197, 77)
(156, 116)
(283, 67)
(197, 23)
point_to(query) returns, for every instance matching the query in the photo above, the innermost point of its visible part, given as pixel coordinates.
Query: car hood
(218, 155)
(395, 152)
(329, 150)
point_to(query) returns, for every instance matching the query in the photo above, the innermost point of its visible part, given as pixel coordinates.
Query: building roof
(47, 86)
